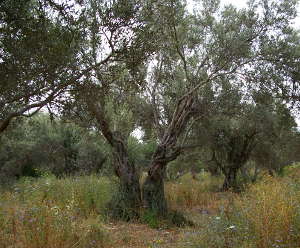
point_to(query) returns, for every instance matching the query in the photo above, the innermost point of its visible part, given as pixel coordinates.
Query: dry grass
(189, 194)
(48, 226)
(270, 208)
(71, 213)
(265, 216)
(54, 213)
(136, 235)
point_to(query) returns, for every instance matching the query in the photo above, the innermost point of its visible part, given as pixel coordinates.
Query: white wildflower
(231, 227)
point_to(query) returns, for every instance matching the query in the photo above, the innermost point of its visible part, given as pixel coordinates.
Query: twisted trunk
(167, 151)
(153, 187)
(127, 201)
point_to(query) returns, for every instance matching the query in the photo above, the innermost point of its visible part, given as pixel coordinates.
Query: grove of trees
(220, 84)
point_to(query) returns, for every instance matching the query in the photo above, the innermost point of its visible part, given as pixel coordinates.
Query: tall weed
(188, 193)
(270, 209)
(266, 215)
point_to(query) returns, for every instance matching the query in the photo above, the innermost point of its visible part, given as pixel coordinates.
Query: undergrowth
(266, 215)
(72, 212)
(51, 212)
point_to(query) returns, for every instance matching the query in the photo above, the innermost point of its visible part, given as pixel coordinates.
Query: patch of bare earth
(137, 235)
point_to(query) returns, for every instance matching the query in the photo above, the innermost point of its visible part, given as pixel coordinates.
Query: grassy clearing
(71, 212)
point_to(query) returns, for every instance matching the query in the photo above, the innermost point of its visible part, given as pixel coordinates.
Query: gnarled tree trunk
(230, 182)
(167, 151)
(153, 187)
(234, 159)
(127, 201)
(154, 192)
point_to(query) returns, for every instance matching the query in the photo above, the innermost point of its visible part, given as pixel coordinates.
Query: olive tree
(199, 50)
(157, 52)
(258, 129)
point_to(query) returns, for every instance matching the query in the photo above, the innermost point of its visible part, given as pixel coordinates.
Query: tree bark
(3, 125)
(230, 182)
(127, 202)
(153, 190)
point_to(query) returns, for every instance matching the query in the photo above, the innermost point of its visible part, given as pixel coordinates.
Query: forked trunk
(153, 188)
(128, 202)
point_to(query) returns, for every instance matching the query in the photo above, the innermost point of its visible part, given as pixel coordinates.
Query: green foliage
(151, 219)
(140, 152)
(266, 215)
(84, 194)
(185, 163)
(39, 144)
(94, 62)
(178, 219)
(39, 54)
(173, 218)
(33, 213)
(122, 207)
(236, 132)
